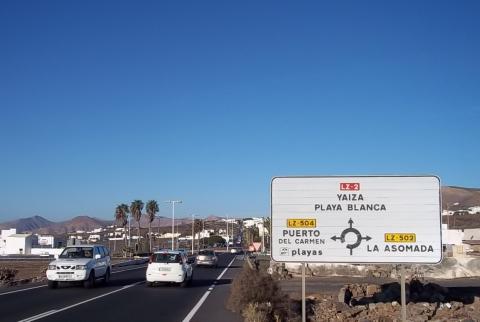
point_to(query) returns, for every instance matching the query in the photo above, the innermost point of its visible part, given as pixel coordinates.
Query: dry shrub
(255, 312)
(252, 289)
(7, 274)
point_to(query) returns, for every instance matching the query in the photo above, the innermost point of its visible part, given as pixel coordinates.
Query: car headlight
(52, 267)
(81, 267)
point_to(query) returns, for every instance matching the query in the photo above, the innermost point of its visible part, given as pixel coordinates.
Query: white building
(94, 237)
(3, 239)
(168, 235)
(46, 241)
(471, 234)
(18, 244)
(474, 210)
(250, 222)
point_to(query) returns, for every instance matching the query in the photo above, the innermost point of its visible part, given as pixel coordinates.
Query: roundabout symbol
(354, 231)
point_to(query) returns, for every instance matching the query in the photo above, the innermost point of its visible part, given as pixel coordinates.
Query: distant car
(207, 257)
(85, 263)
(170, 266)
(183, 250)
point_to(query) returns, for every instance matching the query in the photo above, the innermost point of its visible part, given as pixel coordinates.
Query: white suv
(170, 266)
(83, 263)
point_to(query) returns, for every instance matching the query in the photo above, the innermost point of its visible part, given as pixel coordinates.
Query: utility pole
(178, 237)
(263, 235)
(228, 241)
(129, 236)
(203, 230)
(173, 202)
(193, 231)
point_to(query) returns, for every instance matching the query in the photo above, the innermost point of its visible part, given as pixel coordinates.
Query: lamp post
(193, 231)
(203, 234)
(173, 202)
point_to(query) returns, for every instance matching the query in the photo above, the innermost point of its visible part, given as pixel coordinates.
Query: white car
(84, 263)
(170, 266)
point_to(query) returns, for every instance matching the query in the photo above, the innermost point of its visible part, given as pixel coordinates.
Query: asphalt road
(126, 298)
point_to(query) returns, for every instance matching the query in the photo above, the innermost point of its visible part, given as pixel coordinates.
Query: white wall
(43, 251)
(472, 234)
(451, 236)
(18, 245)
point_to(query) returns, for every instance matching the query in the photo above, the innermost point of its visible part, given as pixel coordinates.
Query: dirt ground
(34, 269)
(27, 269)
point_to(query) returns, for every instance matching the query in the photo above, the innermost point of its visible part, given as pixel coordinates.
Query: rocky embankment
(370, 302)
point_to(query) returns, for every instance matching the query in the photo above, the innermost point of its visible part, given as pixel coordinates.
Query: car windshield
(77, 252)
(206, 253)
(167, 258)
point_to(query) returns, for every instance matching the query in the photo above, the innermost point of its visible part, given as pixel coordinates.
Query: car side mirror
(98, 256)
(55, 256)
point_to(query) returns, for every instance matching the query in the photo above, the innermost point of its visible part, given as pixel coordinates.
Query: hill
(84, 223)
(38, 224)
(27, 224)
(466, 197)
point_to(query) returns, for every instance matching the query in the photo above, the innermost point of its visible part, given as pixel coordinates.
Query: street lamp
(228, 239)
(193, 231)
(173, 202)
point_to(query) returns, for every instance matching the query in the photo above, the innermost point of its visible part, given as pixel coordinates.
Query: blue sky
(205, 101)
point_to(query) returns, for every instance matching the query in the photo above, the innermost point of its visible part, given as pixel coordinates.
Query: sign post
(356, 219)
(402, 293)
(304, 309)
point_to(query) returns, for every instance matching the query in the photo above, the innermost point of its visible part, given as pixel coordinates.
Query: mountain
(41, 225)
(27, 224)
(84, 223)
(465, 197)
(213, 218)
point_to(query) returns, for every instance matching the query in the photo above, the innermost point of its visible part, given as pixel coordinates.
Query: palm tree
(152, 209)
(136, 208)
(121, 216)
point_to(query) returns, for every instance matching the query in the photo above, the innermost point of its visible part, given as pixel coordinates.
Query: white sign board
(358, 219)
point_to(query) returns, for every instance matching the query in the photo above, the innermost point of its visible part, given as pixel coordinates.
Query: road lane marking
(35, 287)
(207, 293)
(38, 316)
(22, 290)
(48, 313)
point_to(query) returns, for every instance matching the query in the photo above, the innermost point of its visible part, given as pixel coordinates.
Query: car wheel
(185, 281)
(191, 279)
(52, 284)
(90, 282)
(149, 284)
(106, 278)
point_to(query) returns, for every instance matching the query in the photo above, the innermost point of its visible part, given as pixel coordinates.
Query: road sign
(358, 219)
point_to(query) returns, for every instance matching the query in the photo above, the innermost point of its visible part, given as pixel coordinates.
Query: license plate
(164, 269)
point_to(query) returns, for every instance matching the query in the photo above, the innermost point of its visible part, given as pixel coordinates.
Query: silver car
(207, 257)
